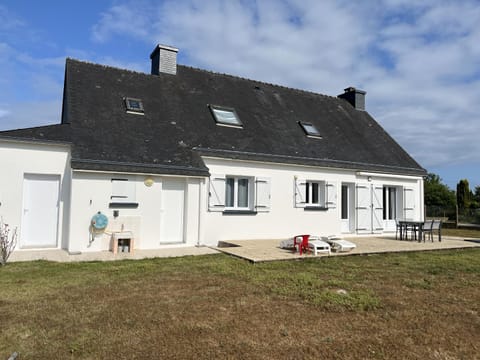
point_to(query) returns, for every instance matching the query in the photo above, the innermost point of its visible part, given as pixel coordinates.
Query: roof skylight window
(225, 116)
(310, 130)
(134, 106)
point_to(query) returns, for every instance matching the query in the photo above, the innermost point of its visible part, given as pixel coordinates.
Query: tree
(476, 194)
(476, 198)
(464, 195)
(437, 193)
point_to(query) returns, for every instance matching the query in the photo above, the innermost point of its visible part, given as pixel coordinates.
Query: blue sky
(417, 60)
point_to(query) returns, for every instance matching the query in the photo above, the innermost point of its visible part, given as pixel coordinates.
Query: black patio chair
(404, 229)
(434, 225)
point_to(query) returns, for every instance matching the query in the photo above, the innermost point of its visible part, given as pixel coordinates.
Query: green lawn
(462, 233)
(392, 306)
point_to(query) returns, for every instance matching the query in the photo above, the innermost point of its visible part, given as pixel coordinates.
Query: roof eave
(140, 168)
(18, 139)
(324, 163)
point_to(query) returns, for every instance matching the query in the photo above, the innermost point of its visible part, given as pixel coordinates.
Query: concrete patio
(251, 250)
(60, 255)
(269, 250)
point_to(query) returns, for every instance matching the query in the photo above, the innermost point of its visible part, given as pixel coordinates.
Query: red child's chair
(301, 241)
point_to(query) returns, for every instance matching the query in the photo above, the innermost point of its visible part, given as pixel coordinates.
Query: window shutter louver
(300, 192)
(363, 209)
(331, 196)
(408, 203)
(216, 195)
(262, 194)
(377, 202)
(123, 191)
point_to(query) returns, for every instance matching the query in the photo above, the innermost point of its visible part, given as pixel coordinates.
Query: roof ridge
(106, 66)
(208, 72)
(257, 81)
(40, 127)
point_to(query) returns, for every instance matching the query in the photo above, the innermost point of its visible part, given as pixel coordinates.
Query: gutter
(201, 214)
(136, 168)
(306, 161)
(13, 139)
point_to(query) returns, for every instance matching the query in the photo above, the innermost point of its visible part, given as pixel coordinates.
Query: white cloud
(26, 114)
(129, 65)
(418, 61)
(28, 83)
(3, 112)
(37, 62)
(9, 21)
(24, 78)
(428, 99)
(125, 19)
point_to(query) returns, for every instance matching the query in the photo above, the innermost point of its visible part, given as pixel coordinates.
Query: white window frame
(258, 194)
(388, 214)
(321, 193)
(327, 194)
(250, 190)
(310, 130)
(218, 114)
(138, 109)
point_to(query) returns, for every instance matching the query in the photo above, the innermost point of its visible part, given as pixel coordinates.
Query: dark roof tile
(177, 125)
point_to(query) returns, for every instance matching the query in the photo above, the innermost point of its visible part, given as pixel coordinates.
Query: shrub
(7, 242)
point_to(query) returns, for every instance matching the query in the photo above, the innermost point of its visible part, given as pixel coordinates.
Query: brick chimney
(164, 60)
(355, 97)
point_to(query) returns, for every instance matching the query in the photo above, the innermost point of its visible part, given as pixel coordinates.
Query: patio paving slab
(269, 250)
(60, 255)
(251, 250)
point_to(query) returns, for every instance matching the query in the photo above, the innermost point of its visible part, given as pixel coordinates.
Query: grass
(467, 233)
(391, 306)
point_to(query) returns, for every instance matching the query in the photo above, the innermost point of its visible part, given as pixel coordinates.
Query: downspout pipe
(201, 212)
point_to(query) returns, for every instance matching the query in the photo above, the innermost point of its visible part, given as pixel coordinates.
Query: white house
(183, 157)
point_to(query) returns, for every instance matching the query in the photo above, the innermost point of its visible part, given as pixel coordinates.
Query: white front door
(40, 211)
(173, 211)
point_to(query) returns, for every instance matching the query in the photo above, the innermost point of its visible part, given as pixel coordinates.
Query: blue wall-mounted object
(99, 221)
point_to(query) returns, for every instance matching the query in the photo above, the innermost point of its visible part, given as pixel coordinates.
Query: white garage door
(40, 211)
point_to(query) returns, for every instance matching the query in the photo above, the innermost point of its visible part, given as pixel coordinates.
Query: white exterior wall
(284, 220)
(91, 193)
(401, 183)
(83, 194)
(19, 158)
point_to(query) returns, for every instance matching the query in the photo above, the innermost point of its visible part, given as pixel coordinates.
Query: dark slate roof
(54, 134)
(177, 126)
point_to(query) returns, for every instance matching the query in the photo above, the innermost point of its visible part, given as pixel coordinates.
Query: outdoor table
(414, 225)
